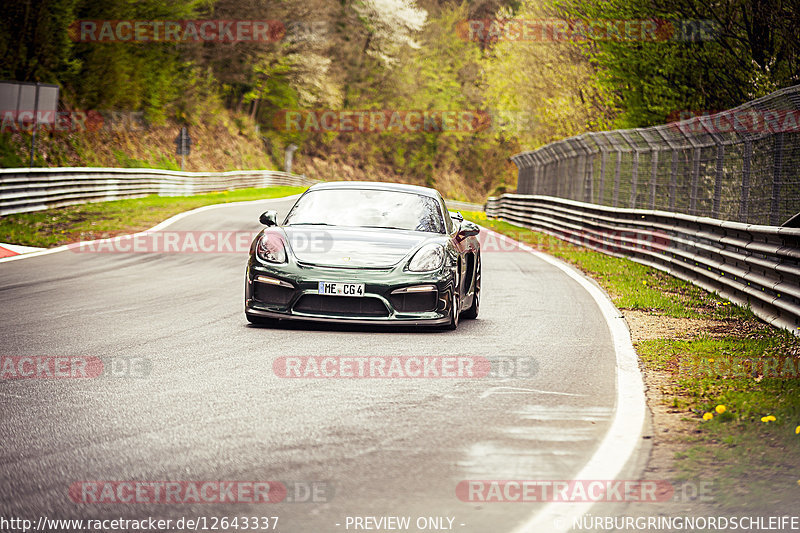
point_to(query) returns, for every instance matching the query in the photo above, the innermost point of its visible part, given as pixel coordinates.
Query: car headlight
(429, 257)
(271, 249)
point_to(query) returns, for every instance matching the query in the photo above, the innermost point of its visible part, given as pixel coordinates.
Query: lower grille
(340, 306)
(272, 294)
(414, 302)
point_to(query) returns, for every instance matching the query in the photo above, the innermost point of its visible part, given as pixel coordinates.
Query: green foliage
(9, 156)
(708, 57)
(34, 41)
(407, 55)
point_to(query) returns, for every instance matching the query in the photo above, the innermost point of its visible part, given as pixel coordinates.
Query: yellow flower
(720, 409)
(797, 430)
(710, 359)
(708, 416)
(769, 418)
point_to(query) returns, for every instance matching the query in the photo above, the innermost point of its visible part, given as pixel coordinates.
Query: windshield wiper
(385, 227)
(309, 224)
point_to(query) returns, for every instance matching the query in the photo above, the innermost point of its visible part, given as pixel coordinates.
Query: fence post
(634, 178)
(634, 168)
(695, 179)
(653, 177)
(540, 176)
(720, 172)
(653, 144)
(616, 177)
(587, 157)
(603, 158)
(579, 166)
(745, 197)
(589, 193)
(673, 180)
(777, 171)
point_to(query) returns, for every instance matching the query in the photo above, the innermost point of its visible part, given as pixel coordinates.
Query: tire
(454, 313)
(472, 312)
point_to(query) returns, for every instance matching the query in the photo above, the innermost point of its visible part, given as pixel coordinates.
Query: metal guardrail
(739, 164)
(752, 265)
(36, 189)
(456, 205)
(25, 190)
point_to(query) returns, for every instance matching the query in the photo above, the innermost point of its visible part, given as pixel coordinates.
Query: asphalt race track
(210, 407)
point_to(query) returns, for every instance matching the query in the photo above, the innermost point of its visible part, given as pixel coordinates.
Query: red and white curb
(35, 252)
(10, 250)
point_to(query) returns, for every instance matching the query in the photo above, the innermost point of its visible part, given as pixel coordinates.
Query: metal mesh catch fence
(742, 164)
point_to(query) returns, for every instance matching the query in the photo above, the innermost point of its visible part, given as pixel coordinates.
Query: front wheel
(454, 305)
(472, 312)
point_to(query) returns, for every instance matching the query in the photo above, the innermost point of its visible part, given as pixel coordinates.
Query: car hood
(351, 247)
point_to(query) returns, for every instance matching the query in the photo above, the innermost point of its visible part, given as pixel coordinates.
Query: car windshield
(368, 208)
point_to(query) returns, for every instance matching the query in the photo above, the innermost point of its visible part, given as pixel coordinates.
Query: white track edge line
(625, 433)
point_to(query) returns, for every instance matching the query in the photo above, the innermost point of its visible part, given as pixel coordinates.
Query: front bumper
(290, 292)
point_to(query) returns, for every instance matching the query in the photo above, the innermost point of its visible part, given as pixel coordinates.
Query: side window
(448, 222)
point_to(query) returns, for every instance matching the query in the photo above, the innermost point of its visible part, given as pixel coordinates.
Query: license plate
(341, 289)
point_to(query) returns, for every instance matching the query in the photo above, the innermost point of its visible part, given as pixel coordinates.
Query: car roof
(376, 185)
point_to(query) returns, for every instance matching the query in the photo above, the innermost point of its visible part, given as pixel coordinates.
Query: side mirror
(269, 218)
(456, 216)
(469, 229)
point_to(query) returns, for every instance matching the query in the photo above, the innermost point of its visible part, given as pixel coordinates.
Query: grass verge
(730, 384)
(64, 225)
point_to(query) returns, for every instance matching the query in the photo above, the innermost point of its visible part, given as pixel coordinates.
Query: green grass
(752, 376)
(753, 463)
(63, 225)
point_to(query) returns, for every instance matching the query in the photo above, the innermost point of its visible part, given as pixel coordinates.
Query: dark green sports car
(365, 253)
